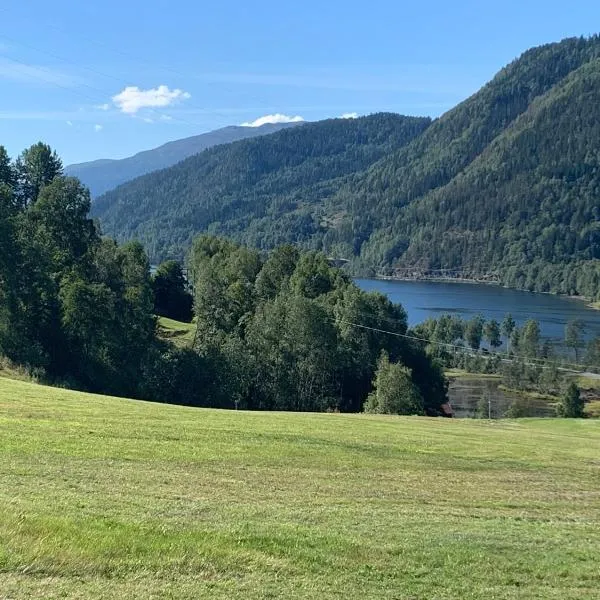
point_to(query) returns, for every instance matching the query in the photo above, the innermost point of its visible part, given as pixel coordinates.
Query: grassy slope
(107, 498)
(181, 334)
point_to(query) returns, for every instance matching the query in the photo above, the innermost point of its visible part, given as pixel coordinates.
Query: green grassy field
(108, 498)
(181, 334)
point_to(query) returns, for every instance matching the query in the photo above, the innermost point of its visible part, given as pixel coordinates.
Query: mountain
(105, 174)
(265, 190)
(508, 182)
(505, 184)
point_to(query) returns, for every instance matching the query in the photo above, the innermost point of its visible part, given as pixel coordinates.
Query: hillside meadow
(110, 498)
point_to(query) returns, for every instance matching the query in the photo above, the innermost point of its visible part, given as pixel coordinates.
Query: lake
(423, 299)
(473, 396)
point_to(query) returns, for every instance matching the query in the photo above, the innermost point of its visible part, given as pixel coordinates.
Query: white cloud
(276, 118)
(97, 127)
(166, 118)
(105, 106)
(351, 115)
(132, 98)
(70, 123)
(148, 120)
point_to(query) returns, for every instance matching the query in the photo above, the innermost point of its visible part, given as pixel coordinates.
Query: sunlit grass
(182, 334)
(108, 498)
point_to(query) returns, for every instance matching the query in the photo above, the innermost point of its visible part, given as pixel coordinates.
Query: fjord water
(424, 299)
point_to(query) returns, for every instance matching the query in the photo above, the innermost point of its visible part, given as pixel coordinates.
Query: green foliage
(291, 332)
(574, 331)
(35, 168)
(474, 332)
(504, 186)
(265, 191)
(592, 356)
(286, 332)
(529, 339)
(103, 175)
(522, 407)
(507, 328)
(72, 304)
(491, 332)
(171, 298)
(571, 404)
(394, 391)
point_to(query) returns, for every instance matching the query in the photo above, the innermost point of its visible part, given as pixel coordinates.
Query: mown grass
(108, 498)
(181, 334)
(461, 373)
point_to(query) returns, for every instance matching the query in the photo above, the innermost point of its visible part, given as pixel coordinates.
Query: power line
(461, 348)
(96, 99)
(142, 60)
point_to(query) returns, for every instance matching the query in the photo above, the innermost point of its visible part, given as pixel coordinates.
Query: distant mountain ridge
(506, 183)
(261, 188)
(105, 174)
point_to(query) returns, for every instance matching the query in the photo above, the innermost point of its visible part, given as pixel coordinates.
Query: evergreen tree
(492, 333)
(36, 167)
(574, 336)
(507, 328)
(529, 341)
(474, 332)
(571, 405)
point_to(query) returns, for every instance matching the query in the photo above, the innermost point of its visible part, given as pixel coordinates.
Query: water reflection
(424, 299)
(475, 397)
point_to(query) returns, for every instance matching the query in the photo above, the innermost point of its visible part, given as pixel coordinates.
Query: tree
(529, 341)
(507, 328)
(492, 333)
(592, 356)
(296, 344)
(571, 404)
(60, 219)
(574, 331)
(394, 393)
(474, 332)
(171, 298)
(36, 167)
(276, 271)
(8, 270)
(7, 172)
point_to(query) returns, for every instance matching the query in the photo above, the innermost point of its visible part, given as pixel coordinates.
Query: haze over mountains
(507, 182)
(105, 174)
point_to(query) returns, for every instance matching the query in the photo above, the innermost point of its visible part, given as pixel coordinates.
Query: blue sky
(107, 79)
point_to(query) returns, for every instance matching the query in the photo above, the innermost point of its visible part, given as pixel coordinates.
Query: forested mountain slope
(105, 174)
(507, 183)
(527, 207)
(524, 204)
(265, 191)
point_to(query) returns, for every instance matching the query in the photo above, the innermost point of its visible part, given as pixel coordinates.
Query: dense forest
(283, 330)
(264, 192)
(507, 183)
(105, 174)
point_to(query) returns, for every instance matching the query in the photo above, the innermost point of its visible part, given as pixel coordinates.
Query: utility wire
(101, 99)
(142, 60)
(461, 348)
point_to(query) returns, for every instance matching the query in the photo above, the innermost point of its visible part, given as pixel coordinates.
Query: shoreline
(434, 279)
(589, 303)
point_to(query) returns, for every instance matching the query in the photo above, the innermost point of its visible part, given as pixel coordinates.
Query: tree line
(525, 361)
(504, 184)
(277, 331)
